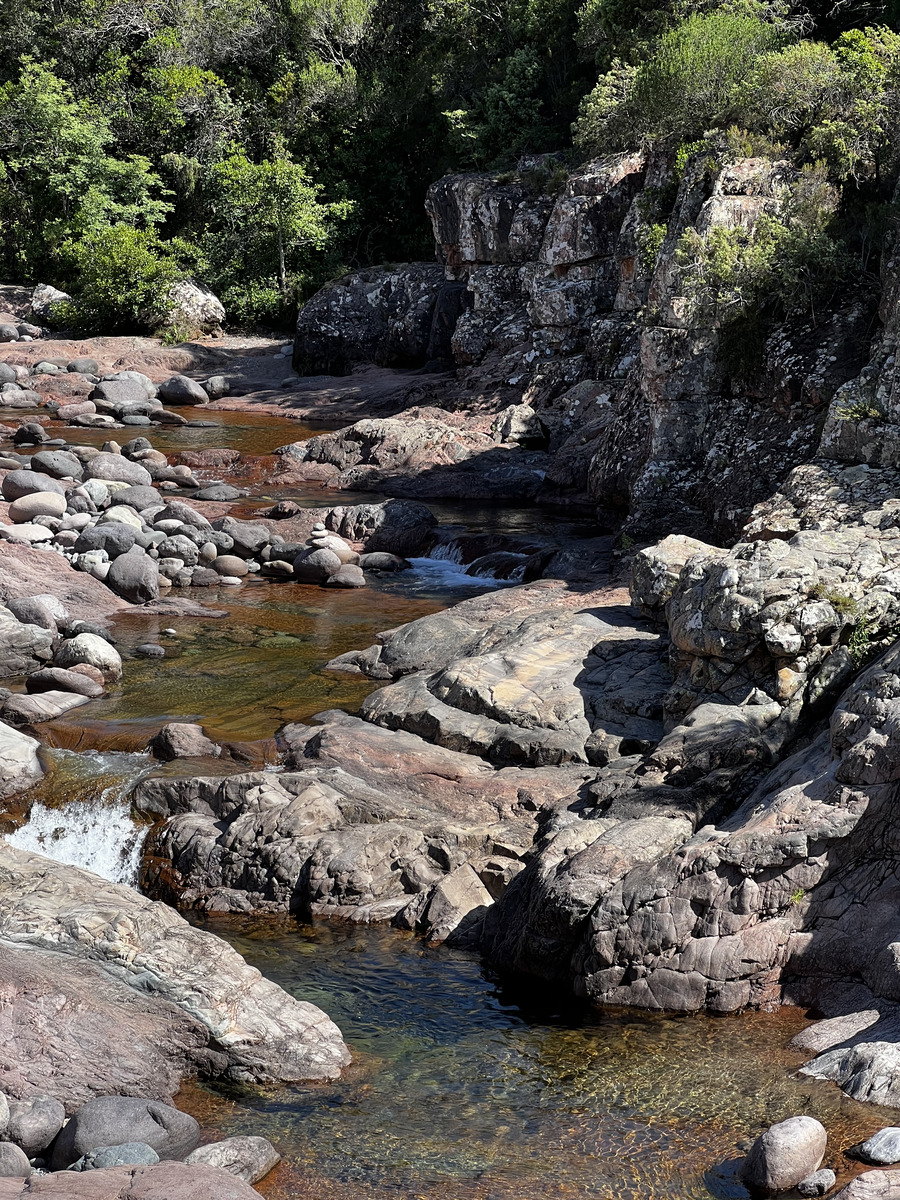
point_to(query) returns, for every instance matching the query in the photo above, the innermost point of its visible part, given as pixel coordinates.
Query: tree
(267, 218)
(59, 183)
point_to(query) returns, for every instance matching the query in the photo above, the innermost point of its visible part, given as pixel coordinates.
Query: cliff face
(557, 300)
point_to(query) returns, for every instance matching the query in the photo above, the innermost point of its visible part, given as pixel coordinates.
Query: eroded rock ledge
(163, 999)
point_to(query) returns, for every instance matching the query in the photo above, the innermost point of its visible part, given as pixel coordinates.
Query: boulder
(872, 1185)
(22, 647)
(248, 1158)
(787, 1152)
(43, 299)
(316, 566)
(139, 498)
(135, 577)
(194, 309)
(179, 739)
(17, 484)
(14, 1162)
(113, 538)
(44, 706)
(37, 504)
(20, 766)
(35, 1122)
(164, 1181)
(818, 1183)
(93, 650)
(58, 679)
(58, 464)
(115, 1120)
(129, 1153)
(248, 537)
(181, 391)
(118, 468)
(348, 575)
(207, 1012)
(83, 366)
(230, 564)
(881, 1149)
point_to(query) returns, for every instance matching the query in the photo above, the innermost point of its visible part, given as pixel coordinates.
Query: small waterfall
(449, 551)
(81, 814)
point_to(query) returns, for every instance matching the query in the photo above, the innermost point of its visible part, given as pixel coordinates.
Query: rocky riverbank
(677, 797)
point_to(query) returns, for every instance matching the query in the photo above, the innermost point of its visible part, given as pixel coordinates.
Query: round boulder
(96, 652)
(230, 564)
(38, 504)
(118, 468)
(786, 1153)
(346, 576)
(139, 498)
(115, 1120)
(114, 537)
(17, 484)
(34, 1123)
(83, 366)
(58, 464)
(14, 1162)
(135, 577)
(180, 739)
(180, 390)
(315, 566)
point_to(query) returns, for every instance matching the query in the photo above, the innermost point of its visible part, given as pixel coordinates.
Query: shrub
(684, 87)
(122, 280)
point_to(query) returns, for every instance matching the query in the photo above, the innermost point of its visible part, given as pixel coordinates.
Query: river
(462, 1087)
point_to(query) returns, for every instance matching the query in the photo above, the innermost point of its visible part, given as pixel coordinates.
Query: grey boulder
(14, 1162)
(58, 464)
(118, 469)
(881, 1149)
(135, 577)
(34, 1123)
(818, 1183)
(182, 740)
(115, 1120)
(128, 1154)
(180, 390)
(115, 537)
(24, 483)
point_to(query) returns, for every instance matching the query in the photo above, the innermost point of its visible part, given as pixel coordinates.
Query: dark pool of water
(463, 1090)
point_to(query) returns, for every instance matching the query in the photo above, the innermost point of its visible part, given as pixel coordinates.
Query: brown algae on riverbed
(466, 1090)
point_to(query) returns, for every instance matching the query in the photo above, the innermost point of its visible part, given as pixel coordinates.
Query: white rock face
(20, 766)
(194, 306)
(43, 298)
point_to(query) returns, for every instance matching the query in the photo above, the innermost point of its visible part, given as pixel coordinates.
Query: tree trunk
(282, 272)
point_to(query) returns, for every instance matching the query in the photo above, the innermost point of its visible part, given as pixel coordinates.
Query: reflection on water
(244, 675)
(464, 1091)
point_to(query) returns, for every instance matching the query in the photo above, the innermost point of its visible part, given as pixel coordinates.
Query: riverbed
(462, 1087)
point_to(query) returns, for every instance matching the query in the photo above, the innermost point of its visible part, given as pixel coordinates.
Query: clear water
(462, 1089)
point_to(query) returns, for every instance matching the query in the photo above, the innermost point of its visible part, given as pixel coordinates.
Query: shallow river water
(461, 1089)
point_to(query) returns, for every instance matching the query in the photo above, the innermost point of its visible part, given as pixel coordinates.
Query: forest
(265, 146)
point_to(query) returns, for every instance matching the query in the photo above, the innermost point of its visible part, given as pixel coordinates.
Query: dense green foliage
(265, 144)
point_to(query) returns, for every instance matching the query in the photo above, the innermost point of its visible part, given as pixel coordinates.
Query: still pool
(464, 1089)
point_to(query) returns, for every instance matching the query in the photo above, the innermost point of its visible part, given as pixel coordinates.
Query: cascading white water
(92, 827)
(447, 572)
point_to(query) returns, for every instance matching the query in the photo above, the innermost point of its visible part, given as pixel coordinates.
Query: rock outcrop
(164, 999)
(576, 329)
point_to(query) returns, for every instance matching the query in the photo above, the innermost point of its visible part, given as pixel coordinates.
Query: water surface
(462, 1089)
